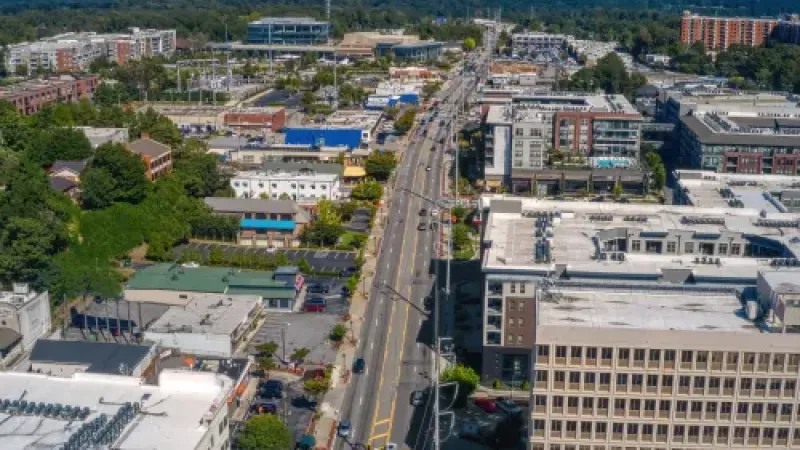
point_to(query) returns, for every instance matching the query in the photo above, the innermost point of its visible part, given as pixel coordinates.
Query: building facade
(26, 313)
(416, 51)
(156, 156)
(263, 222)
(288, 31)
(524, 43)
(298, 182)
(719, 33)
(32, 95)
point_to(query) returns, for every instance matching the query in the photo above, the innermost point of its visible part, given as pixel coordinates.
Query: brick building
(32, 95)
(156, 156)
(719, 33)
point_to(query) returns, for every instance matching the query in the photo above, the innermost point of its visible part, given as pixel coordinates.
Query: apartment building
(73, 52)
(32, 95)
(600, 131)
(788, 30)
(156, 156)
(301, 182)
(524, 43)
(647, 327)
(288, 31)
(719, 33)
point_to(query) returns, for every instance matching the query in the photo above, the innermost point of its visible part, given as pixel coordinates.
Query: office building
(788, 30)
(768, 193)
(32, 95)
(415, 51)
(719, 33)
(362, 44)
(645, 326)
(301, 182)
(24, 318)
(263, 222)
(73, 52)
(531, 43)
(184, 411)
(288, 31)
(64, 358)
(540, 131)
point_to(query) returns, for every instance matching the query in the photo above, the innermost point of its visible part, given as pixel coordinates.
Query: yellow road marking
(381, 422)
(379, 436)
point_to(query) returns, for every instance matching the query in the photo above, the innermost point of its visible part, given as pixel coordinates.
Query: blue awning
(266, 224)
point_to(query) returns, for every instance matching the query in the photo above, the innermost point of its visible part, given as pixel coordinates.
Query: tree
(461, 239)
(118, 172)
(307, 100)
(380, 165)
(321, 234)
(316, 387)
(469, 44)
(391, 112)
(337, 332)
(264, 432)
(266, 363)
(467, 380)
(618, 190)
(371, 191)
(405, 121)
(97, 186)
(459, 212)
(328, 213)
(299, 354)
(304, 266)
(68, 144)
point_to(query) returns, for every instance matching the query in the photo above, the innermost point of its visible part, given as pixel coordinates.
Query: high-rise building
(719, 33)
(645, 326)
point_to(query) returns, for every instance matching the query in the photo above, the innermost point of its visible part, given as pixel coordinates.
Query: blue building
(324, 136)
(288, 31)
(377, 102)
(418, 51)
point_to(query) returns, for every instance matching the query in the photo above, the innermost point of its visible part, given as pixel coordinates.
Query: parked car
(271, 389)
(348, 272)
(422, 226)
(423, 212)
(417, 398)
(344, 428)
(261, 407)
(318, 288)
(317, 301)
(313, 308)
(486, 404)
(359, 365)
(508, 407)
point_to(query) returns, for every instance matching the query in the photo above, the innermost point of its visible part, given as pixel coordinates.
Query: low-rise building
(530, 43)
(32, 95)
(169, 284)
(416, 51)
(264, 222)
(100, 136)
(24, 318)
(62, 358)
(156, 156)
(184, 411)
(414, 74)
(362, 44)
(212, 325)
(302, 31)
(300, 182)
(655, 59)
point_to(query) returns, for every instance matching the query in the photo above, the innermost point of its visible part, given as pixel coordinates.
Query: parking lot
(475, 415)
(319, 260)
(305, 329)
(294, 409)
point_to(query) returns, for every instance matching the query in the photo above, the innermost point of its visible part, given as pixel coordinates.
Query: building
(389, 94)
(644, 325)
(74, 52)
(414, 74)
(288, 31)
(362, 44)
(589, 52)
(719, 33)
(68, 169)
(788, 30)
(272, 119)
(169, 284)
(300, 181)
(768, 193)
(534, 43)
(258, 155)
(207, 118)
(65, 358)
(584, 130)
(184, 411)
(211, 325)
(416, 51)
(263, 222)
(24, 318)
(100, 136)
(32, 95)
(156, 156)
(655, 59)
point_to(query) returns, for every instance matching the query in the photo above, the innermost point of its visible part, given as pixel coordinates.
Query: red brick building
(32, 95)
(719, 33)
(156, 156)
(256, 119)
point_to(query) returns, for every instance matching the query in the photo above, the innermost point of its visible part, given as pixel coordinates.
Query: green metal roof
(172, 277)
(265, 293)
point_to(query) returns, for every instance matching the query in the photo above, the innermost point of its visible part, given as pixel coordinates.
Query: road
(397, 336)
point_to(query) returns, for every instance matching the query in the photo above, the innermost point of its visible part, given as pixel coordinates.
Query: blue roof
(266, 224)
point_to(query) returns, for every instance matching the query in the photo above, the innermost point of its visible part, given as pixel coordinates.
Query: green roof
(172, 277)
(264, 293)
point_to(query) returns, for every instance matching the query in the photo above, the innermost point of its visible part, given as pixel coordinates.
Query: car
(261, 407)
(508, 407)
(486, 404)
(343, 430)
(417, 398)
(423, 212)
(348, 272)
(428, 169)
(314, 308)
(422, 226)
(318, 288)
(359, 365)
(391, 446)
(317, 301)
(434, 212)
(271, 389)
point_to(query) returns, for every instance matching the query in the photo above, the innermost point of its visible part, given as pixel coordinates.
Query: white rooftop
(215, 314)
(283, 175)
(706, 188)
(177, 407)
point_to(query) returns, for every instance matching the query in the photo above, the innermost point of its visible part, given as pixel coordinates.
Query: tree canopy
(115, 175)
(405, 121)
(380, 165)
(264, 432)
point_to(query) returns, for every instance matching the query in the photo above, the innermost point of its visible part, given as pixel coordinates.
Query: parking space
(298, 330)
(294, 409)
(472, 414)
(318, 260)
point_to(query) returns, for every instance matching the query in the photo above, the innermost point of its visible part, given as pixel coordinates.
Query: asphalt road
(397, 335)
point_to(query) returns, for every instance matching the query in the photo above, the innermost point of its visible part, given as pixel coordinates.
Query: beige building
(632, 339)
(363, 43)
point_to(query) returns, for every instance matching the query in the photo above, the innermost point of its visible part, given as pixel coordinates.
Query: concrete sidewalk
(325, 426)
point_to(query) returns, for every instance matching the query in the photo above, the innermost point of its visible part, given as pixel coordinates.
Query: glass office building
(288, 31)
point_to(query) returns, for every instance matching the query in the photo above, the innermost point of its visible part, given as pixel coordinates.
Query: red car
(313, 307)
(486, 404)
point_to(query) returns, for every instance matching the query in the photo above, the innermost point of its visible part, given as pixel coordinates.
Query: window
(745, 384)
(725, 407)
(543, 350)
(699, 382)
(667, 380)
(555, 426)
(713, 383)
(619, 403)
(669, 355)
(589, 378)
(687, 356)
(736, 249)
(605, 378)
(591, 353)
(513, 288)
(652, 381)
(519, 338)
(637, 379)
(558, 402)
(575, 352)
(574, 377)
(572, 402)
(520, 306)
(655, 355)
(560, 376)
(635, 405)
(723, 249)
(510, 338)
(636, 245)
(638, 355)
(602, 403)
(671, 247)
(511, 322)
(623, 355)
(688, 247)
(664, 405)
(633, 429)
(607, 353)
(622, 379)
(522, 288)
(684, 381)
(539, 400)
(588, 403)
(561, 351)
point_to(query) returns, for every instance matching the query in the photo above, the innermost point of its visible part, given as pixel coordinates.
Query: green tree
(338, 331)
(371, 191)
(307, 100)
(264, 432)
(328, 213)
(459, 212)
(380, 165)
(405, 121)
(299, 354)
(467, 379)
(68, 144)
(461, 239)
(316, 387)
(267, 348)
(469, 44)
(391, 112)
(118, 171)
(304, 266)
(97, 188)
(321, 234)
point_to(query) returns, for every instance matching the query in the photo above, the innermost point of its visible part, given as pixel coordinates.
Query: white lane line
(376, 321)
(372, 346)
(361, 401)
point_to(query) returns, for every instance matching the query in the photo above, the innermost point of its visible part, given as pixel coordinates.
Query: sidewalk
(325, 426)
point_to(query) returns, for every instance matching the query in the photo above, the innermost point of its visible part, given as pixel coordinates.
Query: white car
(508, 407)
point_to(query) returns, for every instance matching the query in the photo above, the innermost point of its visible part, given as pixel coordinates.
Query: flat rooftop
(643, 310)
(177, 407)
(207, 314)
(716, 190)
(288, 21)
